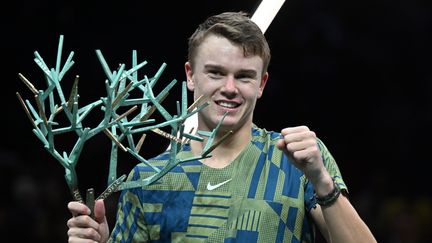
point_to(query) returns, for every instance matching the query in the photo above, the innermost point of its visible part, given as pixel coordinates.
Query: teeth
(227, 104)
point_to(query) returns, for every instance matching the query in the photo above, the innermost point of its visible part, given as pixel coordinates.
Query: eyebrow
(212, 66)
(250, 72)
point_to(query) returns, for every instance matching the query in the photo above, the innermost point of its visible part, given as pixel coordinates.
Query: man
(258, 186)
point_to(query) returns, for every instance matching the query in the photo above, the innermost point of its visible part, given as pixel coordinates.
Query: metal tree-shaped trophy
(121, 85)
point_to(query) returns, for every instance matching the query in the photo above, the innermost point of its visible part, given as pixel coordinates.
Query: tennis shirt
(259, 197)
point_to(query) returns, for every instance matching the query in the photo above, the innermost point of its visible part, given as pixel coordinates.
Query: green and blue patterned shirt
(259, 197)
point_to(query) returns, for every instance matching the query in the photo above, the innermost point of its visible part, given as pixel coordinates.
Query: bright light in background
(263, 16)
(266, 12)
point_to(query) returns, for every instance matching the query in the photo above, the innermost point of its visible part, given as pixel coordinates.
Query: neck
(228, 150)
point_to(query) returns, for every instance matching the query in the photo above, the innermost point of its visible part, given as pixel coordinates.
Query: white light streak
(265, 13)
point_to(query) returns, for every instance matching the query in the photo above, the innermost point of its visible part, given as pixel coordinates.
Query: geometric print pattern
(265, 199)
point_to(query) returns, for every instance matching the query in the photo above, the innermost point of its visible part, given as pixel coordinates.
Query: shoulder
(325, 153)
(260, 134)
(331, 165)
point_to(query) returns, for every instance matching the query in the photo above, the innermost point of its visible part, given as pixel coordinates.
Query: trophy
(127, 112)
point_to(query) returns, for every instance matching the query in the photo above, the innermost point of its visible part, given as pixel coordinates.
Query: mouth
(227, 104)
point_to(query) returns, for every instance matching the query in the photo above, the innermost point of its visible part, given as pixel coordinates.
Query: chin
(228, 123)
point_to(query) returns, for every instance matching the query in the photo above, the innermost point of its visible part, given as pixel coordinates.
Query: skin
(233, 83)
(82, 228)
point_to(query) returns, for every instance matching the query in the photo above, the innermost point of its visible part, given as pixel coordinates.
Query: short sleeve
(332, 168)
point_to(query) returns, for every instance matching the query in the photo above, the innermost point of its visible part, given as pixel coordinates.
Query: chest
(248, 198)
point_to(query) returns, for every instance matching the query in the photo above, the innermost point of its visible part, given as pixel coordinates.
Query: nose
(230, 86)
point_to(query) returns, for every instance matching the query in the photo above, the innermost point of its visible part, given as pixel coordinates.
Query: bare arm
(341, 223)
(338, 222)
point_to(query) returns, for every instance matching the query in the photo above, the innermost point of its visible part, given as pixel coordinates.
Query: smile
(227, 104)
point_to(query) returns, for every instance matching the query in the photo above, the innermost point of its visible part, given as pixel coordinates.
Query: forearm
(344, 224)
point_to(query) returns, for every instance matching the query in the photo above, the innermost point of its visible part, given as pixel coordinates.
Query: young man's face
(228, 80)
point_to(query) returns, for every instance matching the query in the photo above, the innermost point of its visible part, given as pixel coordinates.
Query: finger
(99, 211)
(289, 130)
(77, 208)
(301, 145)
(82, 221)
(79, 240)
(305, 154)
(280, 144)
(299, 136)
(83, 235)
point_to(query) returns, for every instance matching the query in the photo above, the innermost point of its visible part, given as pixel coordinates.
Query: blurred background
(358, 73)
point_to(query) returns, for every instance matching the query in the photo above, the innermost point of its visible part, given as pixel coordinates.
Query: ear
(189, 75)
(263, 82)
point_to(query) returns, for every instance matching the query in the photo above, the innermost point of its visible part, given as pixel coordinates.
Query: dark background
(358, 73)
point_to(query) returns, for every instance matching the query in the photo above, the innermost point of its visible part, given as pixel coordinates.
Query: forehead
(218, 50)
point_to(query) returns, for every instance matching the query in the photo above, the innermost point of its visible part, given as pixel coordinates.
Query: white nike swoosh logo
(212, 187)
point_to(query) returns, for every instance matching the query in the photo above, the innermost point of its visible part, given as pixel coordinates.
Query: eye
(215, 74)
(245, 78)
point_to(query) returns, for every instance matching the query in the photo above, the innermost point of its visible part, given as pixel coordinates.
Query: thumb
(99, 211)
(280, 144)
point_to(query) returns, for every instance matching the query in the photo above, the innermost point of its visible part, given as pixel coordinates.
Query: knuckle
(70, 223)
(290, 147)
(86, 220)
(91, 233)
(313, 134)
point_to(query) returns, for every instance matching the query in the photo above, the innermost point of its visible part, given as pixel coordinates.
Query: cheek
(206, 88)
(252, 93)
